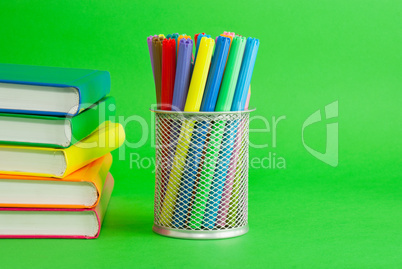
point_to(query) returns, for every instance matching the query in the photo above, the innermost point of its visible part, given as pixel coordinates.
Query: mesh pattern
(201, 171)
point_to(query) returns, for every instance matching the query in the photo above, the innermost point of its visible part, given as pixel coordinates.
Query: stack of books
(56, 135)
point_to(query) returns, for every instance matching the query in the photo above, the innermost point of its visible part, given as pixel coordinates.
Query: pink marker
(226, 33)
(227, 190)
(248, 98)
(229, 34)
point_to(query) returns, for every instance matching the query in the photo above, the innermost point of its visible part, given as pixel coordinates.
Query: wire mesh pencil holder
(201, 177)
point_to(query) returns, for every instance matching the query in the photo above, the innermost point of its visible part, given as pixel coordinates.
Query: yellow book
(58, 163)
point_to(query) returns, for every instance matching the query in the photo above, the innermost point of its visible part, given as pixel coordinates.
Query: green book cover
(14, 126)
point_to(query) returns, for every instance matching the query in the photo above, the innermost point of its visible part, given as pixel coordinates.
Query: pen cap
(246, 72)
(199, 38)
(215, 74)
(183, 73)
(196, 37)
(232, 34)
(183, 36)
(157, 60)
(168, 72)
(228, 87)
(149, 42)
(200, 73)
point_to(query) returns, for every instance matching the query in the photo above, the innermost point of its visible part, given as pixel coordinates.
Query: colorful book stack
(56, 136)
(217, 78)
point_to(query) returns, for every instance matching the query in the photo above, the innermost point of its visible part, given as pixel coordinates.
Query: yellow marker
(200, 74)
(173, 186)
(193, 104)
(162, 35)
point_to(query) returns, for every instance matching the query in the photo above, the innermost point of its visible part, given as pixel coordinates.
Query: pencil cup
(201, 178)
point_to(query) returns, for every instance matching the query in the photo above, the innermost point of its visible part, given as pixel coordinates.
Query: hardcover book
(56, 132)
(50, 91)
(58, 163)
(81, 189)
(56, 223)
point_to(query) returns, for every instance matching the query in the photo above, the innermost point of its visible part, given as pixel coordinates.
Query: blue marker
(214, 80)
(246, 71)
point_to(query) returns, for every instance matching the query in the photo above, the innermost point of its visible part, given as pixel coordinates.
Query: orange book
(80, 189)
(77, 223)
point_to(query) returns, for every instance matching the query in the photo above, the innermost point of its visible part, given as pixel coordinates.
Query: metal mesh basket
(201, 188)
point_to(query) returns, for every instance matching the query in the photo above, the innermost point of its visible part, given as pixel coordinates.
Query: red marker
(196, 36)
(168, 73)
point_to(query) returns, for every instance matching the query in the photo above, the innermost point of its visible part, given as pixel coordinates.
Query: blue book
(50, 91)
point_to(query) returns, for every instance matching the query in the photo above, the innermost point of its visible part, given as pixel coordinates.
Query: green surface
(312, 53)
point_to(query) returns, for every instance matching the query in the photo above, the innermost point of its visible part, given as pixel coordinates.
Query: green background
(312, 53)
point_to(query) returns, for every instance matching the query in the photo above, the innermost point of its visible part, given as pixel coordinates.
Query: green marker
(232, 71)
(207, 175)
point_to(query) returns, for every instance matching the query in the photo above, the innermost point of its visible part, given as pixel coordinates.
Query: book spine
(107, 139)
(92, 88)
(101, 208)
(91, 120)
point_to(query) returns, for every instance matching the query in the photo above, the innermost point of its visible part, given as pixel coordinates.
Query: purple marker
(149, 41)
(182, 79)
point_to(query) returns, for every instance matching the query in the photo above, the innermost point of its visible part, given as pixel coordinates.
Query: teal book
(55, 132)
(50, 91)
